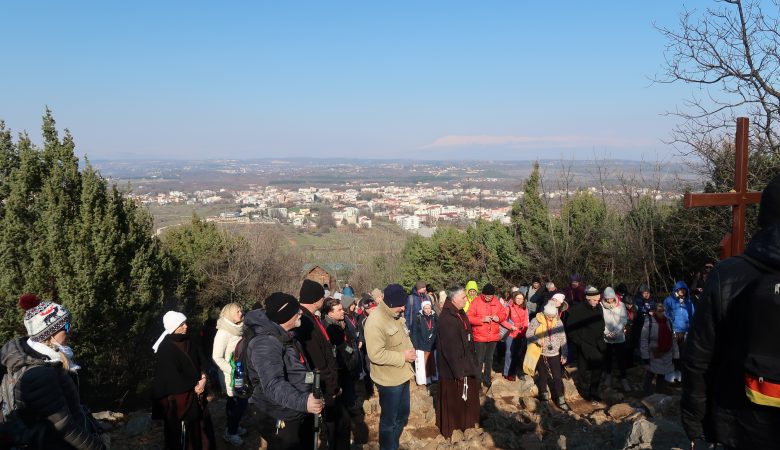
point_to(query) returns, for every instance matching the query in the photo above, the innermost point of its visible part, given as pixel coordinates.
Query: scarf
(234, 329)
(664, 335)
(54, 355)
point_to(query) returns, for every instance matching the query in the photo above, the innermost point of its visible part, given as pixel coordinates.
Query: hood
(16, 354)
(765, 246)
(262, 325)
(469, 286)
(681, 285)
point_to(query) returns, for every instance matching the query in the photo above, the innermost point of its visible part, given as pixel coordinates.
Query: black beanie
(311, 292)
(395, 296)
(489, 289)
(769, 212)
(281, 307)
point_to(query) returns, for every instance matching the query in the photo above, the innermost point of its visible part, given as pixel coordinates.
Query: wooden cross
(739, 197)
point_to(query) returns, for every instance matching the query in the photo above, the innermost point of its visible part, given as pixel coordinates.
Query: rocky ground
(511, 418)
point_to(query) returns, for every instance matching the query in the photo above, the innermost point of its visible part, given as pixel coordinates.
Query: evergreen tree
(533, 225)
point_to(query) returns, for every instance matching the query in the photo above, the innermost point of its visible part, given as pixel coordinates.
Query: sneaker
(240, 431)
(232, 439)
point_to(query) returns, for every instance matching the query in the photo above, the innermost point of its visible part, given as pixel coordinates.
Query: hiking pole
(317, 417)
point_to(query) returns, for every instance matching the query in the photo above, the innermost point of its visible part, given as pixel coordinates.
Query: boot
(562, 404)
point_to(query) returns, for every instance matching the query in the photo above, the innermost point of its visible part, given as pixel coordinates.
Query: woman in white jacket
(615, 320)
(229, 328)
(658, 349)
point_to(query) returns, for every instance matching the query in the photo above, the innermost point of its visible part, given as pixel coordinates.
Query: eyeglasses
(66, 327)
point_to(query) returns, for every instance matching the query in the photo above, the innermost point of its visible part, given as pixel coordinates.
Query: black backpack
(240, 354)
(762, 359)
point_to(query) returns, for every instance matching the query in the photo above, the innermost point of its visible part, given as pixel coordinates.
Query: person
(645, 303)
(534, 296)
(697, 285)
(47, 400)
(472, 290)
(586, 330)
(347, 290)
(487, 316)
(321, 353)
(347, 360)
(442, 298)
(615, 321)
(229, 331)
(575, 292)
(424, 330)
(355, 331)
(658, 349)
(679, 309)
(547, 344)
(733, 341)
(633, 331)
(517, 315)
(417, 294)
(457, 405)
(390, 353)
(432, 297)
(179, 387)
(282, 375)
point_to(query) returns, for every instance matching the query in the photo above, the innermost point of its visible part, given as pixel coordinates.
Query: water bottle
(238, 376)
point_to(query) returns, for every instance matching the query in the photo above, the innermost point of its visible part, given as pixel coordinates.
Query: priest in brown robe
(458, 404)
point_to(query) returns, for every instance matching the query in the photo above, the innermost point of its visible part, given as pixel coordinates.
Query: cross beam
(739, 198)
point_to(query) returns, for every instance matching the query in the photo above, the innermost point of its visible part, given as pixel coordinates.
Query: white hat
(550, 309)
(558, 299)
(425, 302)
(171, 321)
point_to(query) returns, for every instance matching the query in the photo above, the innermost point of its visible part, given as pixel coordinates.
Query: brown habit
(457, 365)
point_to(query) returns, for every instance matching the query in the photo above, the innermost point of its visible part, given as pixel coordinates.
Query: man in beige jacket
(390, 352)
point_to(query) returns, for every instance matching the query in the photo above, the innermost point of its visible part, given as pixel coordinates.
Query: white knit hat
(171, 321)
(425, 302)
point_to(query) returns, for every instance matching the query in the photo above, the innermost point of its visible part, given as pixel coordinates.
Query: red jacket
(519, 317)
(487, 331)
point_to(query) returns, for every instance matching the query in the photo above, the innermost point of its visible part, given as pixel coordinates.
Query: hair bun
(29, 301)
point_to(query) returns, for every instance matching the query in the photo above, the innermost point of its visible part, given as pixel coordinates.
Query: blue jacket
(423, 338)
(276, 370)
(413, 306)
(680, 313)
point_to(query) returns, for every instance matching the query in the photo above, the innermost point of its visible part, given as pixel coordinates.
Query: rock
(621, 411)
(641, 433)
(526, 387)
(457, 436)
(530, 404)
(433, 445)
(611, 396)
(138, 425)
(108, 416)
(658, 404)
(471, 433)
(569, 389)
(530, 441)
(599, 417)
(487, 441)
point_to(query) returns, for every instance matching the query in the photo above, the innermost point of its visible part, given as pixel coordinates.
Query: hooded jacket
(48, 393)
(277, 369)
(615, 320)
(714, 401)
(471, 285)
(413, 305)
(679, 312)
(487, 331)
(519, 318)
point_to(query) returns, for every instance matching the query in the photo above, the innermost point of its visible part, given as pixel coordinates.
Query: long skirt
(187, 422)
(452, 412)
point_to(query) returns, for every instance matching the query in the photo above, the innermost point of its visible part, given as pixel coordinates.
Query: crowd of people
(304, 364)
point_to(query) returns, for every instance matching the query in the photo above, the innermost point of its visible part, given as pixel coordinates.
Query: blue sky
(384, 79)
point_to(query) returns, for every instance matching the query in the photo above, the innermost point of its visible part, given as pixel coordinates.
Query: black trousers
(337, 424)
(549, 369)
(296, 434)
(485, 351)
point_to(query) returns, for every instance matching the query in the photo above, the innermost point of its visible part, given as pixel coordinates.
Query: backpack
(14, 433)
(762, 343)
(241, 355)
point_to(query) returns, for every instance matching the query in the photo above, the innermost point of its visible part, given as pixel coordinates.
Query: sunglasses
(66, 327)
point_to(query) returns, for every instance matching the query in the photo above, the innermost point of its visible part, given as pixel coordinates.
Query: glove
(676, 363)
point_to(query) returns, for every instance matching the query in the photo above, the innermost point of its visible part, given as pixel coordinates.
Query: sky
(507, 80)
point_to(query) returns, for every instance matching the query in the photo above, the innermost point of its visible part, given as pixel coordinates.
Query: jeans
(234, 409)
(485, 352)
(515, 353)
(394, 406)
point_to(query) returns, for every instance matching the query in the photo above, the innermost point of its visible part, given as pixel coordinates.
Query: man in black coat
(731, 349)
(585, 329)
(322, 353)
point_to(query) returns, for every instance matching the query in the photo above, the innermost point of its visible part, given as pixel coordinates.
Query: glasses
(66, 327)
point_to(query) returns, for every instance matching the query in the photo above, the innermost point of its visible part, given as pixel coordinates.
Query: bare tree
(731, 52)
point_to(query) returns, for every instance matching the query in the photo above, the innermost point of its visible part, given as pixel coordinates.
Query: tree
(729, 52)
(533, 224)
